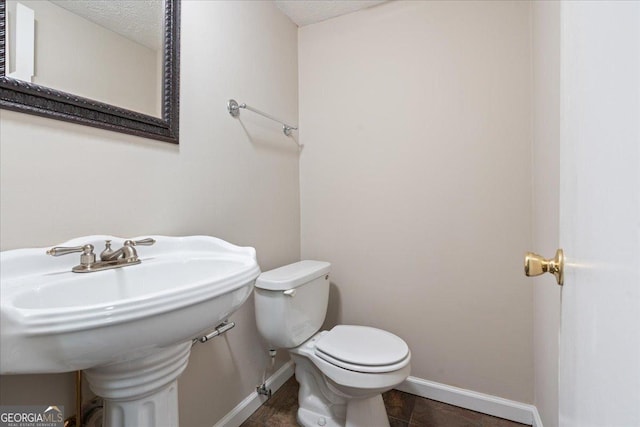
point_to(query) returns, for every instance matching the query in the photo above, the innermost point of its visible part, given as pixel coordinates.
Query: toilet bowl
(341, 372)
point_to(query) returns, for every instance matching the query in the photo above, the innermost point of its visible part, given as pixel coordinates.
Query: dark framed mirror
(40, 96)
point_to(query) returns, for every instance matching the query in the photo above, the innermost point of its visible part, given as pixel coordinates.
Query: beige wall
(546, 171)
(416, 182)
(75, 55)
(234, 179)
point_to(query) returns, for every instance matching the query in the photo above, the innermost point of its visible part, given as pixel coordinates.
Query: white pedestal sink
(130, 329)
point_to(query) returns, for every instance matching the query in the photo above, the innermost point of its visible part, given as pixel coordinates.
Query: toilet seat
(363, 349)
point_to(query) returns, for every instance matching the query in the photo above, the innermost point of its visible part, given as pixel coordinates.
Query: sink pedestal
(141, 392)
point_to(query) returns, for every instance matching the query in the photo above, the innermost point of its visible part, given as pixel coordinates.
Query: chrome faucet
(126, 252)
(126, 255)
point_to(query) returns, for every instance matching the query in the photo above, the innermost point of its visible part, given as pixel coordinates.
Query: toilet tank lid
(292, 275)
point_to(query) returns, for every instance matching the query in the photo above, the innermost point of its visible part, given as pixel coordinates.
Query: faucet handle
(62, 250)
(142, 242)
(87, 258)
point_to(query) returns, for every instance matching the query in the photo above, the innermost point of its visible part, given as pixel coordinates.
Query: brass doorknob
(535, 265)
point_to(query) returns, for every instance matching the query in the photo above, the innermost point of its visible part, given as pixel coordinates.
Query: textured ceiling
(305, 12)
(142, 20)
(139, 20)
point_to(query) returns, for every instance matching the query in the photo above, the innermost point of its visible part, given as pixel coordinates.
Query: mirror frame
(31, 98)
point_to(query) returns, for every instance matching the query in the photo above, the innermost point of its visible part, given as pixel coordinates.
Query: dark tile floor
(404, 410)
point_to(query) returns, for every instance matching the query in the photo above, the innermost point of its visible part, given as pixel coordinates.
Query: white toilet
(341, 372)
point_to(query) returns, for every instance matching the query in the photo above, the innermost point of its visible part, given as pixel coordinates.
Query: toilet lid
(363, 349)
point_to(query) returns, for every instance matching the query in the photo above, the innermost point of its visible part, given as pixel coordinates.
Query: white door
(599, 371)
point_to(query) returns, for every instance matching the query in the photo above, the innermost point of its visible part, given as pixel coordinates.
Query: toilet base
(307, 418)
(360, 413)
(320, 404)
(367, 412)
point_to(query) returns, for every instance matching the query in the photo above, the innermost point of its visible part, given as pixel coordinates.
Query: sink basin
(106, 322)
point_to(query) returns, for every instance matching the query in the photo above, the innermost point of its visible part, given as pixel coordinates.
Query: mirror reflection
(106, 50)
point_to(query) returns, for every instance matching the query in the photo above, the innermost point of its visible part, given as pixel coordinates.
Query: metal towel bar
(234, 109)
(219, 330)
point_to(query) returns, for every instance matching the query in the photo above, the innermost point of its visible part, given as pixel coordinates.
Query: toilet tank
(291, 302)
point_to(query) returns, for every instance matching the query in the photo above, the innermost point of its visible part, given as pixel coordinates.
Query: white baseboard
(475, 401)
(479, 402)
(248, 406)
(537, 421)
